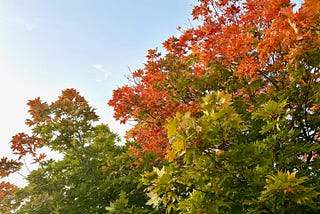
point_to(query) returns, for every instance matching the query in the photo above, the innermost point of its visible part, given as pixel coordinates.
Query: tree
(214, 167)
(165, 86)
(254, 50)
(265, 57)
(228, 117)
(7, 189)
(73, 186)
(93, 171)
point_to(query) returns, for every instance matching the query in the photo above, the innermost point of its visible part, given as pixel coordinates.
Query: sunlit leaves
(213, 166)
(197, 146)
(229, 117)
(161, 187)
(285, 189)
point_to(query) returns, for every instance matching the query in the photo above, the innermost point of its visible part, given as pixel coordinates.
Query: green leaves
(214, 167)
(92, 171)
(161, 187)
(284, 191)
(119, 205)
(229, 118)
(273, 115)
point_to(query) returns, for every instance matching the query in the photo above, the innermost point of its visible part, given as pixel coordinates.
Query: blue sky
(47, 46)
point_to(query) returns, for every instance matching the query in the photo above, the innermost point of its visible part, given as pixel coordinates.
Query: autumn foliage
(246, 48)
(228, 116)
(7, 191)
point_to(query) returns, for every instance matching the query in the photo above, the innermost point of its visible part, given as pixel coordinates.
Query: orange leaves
(150, 101)
(53, 125)
(123, 102)
(42, 113)
(70, 109)
(39, 158)
(310, 8)
(248, 67)
(251, 34)
(71, 95)
(38, 111)
(8, 166)
(138, 74)
(6, 188)
(233, 42)
(7, 191)
(22, 145)
(201, 10)
(129, 102)
(171, 44)
(151, 138)
(70, 102)
(151, 53)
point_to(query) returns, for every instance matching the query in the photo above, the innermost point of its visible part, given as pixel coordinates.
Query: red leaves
(254, 41)
(151, 101)
(123, 102)
(23, 144)
(38, 111)
(6, 188)
(152, 138)
(70, 102)
(249, 34)
(8, 166)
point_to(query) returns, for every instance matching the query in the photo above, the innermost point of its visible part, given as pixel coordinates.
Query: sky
(89, 45)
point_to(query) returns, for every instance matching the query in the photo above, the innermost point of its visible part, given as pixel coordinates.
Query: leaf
(154, 199)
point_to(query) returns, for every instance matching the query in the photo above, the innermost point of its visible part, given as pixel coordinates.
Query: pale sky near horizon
(47, 46)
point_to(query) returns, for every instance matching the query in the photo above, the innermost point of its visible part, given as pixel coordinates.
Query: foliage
(7, 192)
(226, 121)
(253, 50)
(214, 167)
(255, 64)
(285, 190)
(93, 170)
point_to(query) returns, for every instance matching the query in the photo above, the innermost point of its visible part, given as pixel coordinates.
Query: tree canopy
(226, 121)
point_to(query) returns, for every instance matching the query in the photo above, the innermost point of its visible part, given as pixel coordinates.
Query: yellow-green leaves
(285, 188)
(215, 129)
(215, 101)
(161, 188)
(273, 114)
(272, 110)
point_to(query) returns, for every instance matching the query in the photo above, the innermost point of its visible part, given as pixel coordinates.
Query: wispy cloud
(24, 23)
(100, 72)
(99, 67)
(19, 22)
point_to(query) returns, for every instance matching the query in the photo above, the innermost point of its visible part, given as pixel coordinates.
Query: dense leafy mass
(226, 121)
(93, 171)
